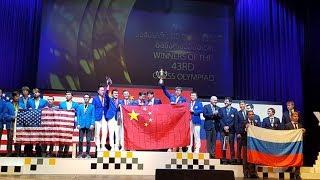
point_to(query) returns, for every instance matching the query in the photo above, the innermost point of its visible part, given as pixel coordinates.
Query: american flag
(46, 126)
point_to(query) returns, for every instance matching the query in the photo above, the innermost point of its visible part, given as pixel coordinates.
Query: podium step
(310, 175)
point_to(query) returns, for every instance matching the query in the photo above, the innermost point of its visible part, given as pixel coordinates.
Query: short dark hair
(142, 93)
(114, 90)
(69, 92)
(242, 101)
(14, 93)
(295, 113)
(273, 110)
(150, 92)
(228, 98)
(125, 90)
(101, 85)
(249, 112)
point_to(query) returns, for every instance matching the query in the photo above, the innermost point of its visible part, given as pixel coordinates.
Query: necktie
(271, 120)
(177, 99)
(251, 123)
(244, 115)
(295, 125)
(228, 111)
(213, 108)
(85, 107)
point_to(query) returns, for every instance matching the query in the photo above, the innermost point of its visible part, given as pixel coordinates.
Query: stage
(124, 164)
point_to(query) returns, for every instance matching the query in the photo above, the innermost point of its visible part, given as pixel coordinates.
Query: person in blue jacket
(176, 97)
(9, 118)
(196, 109)
(100, 108)
(35, 103)
(85, 124)
(69, 104)
(229, 119)
(23, 100)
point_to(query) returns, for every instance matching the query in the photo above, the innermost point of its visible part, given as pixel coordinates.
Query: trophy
(161, 75)
(108, 80)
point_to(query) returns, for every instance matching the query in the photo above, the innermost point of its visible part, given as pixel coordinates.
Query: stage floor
(82, 177)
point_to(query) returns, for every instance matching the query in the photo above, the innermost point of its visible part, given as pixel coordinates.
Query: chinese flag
(156, 127)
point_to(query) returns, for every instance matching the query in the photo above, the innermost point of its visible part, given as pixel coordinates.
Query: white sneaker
(98, 149)
(121, 149)
(180, 149)
(169, 150)
(116, 148)
(189, 150)
(196, 150)
(104, 148)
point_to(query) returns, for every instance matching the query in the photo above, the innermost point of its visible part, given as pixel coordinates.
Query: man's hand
(91, 127)
(303, 130)
(78, 127)
(238, 135)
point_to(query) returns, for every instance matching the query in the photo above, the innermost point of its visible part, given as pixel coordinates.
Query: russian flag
(277, 148)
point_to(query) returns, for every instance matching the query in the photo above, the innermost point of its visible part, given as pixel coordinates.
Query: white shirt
(36, 103)
(69, 105)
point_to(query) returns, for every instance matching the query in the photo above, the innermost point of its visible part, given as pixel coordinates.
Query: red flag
(156, 127)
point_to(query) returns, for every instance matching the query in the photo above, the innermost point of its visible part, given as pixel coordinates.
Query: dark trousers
(44, 149)
(231, 144)
(17, 147)
(249, 169)
(239, 147)
(63, 150)
(211, 141)
(28, 150)
(82, 132)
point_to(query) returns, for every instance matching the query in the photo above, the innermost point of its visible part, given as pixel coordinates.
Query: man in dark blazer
(286, 117)
(249, 170)
(241, 119)
(294, 124)
(151, 100)
(211, 115)
(271, 122)
(229, 118)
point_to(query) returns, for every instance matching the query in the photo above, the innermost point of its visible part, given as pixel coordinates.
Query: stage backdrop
(82, 41)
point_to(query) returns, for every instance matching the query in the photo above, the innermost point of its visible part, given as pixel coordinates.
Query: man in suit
(250, 107)
(125, 102)
(196, 109)
(286, 117)
(113, 103)
(271, 122)
(50, 105)
(229, 118)
(249, 170)
(176, 97)
(35, 103)
(151, 100)
(211, 115)
(9, 119)
(69, 104)
(100, 108)
(85, 124)
(141, 101)
(294, 124)
(242, 117)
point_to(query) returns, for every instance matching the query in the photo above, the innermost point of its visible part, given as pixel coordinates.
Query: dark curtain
(268, 51)
(19, 42)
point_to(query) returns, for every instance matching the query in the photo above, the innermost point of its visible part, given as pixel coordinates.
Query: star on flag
(133, 115)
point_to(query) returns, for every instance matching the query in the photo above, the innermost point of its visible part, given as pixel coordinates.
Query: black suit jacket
(289, 126)
(286, 118)
(211, 120)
